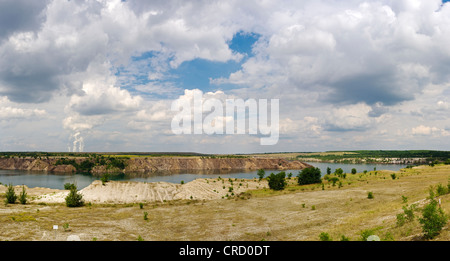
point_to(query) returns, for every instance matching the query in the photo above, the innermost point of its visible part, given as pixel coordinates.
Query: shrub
(309, 175)
(344, 238)
(441, 190)
(370, 195)
(325, 237)
(261, 173)
(433, 219)
(338, 172)
(105, 178)
(328, 170)
(69, 186)
(74, 199)
(353, 171)
(404, 199)
(66, 227)
(393, 176)
(145, 215)
(23, 196)
(277, 181)
(333, 180)
(11, 196)
(407, 215)
(366, 233)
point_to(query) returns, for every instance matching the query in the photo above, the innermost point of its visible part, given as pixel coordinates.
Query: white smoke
(77, 143)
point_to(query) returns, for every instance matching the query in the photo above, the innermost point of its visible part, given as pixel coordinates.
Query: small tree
(338, 172)
(68, 186)
(333, 180)
(11, 196)
(328, 170)
(433, 219)
(261, 173)
(309, 175)
(353, 171)
(277, 181)
(74, 199)
(105, 178)
(23, 196)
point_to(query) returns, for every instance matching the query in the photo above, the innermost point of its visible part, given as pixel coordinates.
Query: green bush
(10, 195)
(277, 181)
(309, 175)
(366, 233)
(441, 190)
(333, 180)
(74, 199)
(23, 196)
(105, 178)
(261, 173)
(407, 215)
(69, 186)
(404, 199)
(353, 171)
(370, 195)
(344, 238)
(325, 237)
(433, 219)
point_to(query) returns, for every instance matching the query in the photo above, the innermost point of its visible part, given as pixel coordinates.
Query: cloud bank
(349, 74)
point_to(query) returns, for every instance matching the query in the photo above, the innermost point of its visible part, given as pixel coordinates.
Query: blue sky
(101, 76)
(196, 73)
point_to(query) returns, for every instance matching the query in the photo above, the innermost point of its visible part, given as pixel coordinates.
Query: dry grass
(296, 213)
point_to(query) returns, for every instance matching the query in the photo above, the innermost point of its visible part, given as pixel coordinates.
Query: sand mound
(134, 192)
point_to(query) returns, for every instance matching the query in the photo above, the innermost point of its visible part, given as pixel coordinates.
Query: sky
(100, 76)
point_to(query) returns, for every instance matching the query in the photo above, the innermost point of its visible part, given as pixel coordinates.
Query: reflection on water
(57, 181)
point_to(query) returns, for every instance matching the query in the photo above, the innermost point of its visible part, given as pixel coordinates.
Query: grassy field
(295, 213)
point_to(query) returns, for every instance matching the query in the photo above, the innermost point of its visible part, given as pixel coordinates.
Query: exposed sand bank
(134, 192)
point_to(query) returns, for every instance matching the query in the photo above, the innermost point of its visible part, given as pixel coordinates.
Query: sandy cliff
(185, 163)
(34, 164)
(151, 164)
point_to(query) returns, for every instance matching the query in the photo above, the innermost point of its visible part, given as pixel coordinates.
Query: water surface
(56, 181)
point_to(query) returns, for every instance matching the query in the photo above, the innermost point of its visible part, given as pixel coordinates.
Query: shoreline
(124, 192)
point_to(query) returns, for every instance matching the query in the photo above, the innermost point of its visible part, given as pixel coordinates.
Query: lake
(57, 181)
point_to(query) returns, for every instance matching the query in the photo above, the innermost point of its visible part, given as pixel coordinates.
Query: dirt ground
(222, 209)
